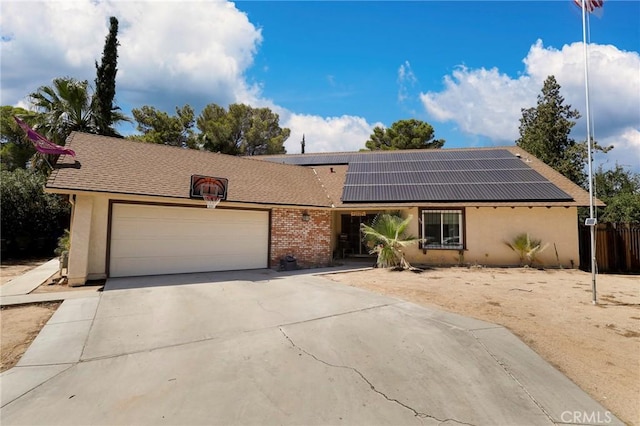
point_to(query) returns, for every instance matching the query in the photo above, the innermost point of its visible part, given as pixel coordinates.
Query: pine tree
(404, 134)
(545, 129)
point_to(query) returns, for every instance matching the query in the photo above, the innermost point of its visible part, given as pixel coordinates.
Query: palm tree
(527, 248)
(69, 105)
(386, 236)
(63, 107)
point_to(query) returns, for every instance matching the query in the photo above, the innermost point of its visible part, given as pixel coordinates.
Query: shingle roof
(522, 180)
(113, 165)
(121, 166)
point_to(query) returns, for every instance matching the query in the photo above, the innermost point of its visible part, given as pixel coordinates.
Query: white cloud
(331, 134)
(169, 51)
(487, 102)
(614, 82)
(482, 102)
(216, 45)
(626, 151)
(406, 79)
(41, 38)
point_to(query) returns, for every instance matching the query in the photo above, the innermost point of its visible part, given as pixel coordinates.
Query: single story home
(138, 209)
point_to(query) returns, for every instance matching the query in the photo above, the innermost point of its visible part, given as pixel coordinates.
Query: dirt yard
(9, 269)
(19, 325)
(598, 347)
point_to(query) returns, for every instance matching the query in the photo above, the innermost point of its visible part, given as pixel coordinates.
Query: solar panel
(538, 191)
(447, 177)
(387, 156)
(311, 160)
(435, 175)
(443, 165)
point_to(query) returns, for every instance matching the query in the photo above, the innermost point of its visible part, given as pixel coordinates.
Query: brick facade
(309, 241)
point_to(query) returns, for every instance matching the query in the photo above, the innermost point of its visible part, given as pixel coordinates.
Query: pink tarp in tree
(41, 143)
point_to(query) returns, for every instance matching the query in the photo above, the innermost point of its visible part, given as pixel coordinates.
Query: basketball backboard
(202, 186)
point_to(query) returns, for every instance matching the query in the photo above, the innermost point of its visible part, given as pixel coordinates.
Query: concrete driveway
(263, 348)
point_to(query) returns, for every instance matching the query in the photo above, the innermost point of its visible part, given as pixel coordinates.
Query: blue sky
(334, 70)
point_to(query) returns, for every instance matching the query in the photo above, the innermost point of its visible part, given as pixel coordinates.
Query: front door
(351, 236)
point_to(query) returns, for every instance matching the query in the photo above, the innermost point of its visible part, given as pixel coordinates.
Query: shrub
(31, 220)
(64, 243)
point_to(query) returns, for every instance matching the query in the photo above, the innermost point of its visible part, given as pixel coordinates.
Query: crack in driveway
(415, 412)
(507, 370)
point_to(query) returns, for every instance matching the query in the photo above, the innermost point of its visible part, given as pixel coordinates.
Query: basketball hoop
(212, 200)
(211, 189)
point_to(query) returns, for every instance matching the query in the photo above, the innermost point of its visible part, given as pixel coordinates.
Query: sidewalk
(19, 290)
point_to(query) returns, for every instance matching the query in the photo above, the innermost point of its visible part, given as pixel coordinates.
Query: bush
(64, 244)
(31, 220)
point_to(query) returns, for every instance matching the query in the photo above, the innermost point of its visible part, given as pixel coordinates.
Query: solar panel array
(436, 176)
(386, 156)
(313, 159)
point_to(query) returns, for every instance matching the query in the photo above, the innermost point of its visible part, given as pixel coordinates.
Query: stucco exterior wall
(87, 255)
(80, 233)
(98, 242)
(309, 241)
(487, 229)
(313, 241)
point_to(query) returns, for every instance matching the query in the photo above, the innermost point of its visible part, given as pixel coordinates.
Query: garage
(153, 239)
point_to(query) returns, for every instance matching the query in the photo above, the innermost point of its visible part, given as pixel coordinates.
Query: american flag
(590, 5)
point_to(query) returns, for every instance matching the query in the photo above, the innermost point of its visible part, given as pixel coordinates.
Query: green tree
(221, 131)
(404, 134)
(31, 220)
(545, 130)
(16, 149)
(242, 130)
(386, 237)
(161, 128)
(104, 109)
(63, 107)
(264, 135)
(619, 189)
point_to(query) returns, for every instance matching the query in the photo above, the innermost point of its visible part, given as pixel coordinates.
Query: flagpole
(591, 222)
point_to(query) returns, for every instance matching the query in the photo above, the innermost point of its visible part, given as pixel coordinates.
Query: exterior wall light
(305, 216)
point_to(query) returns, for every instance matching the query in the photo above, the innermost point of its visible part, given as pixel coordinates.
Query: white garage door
(150, 240)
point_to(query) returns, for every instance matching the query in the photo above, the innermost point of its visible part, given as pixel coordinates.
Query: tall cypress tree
(106, 83)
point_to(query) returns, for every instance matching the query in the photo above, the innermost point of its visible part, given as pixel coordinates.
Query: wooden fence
(617, 247)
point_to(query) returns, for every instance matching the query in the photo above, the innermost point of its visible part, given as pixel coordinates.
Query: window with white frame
(442, 229)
